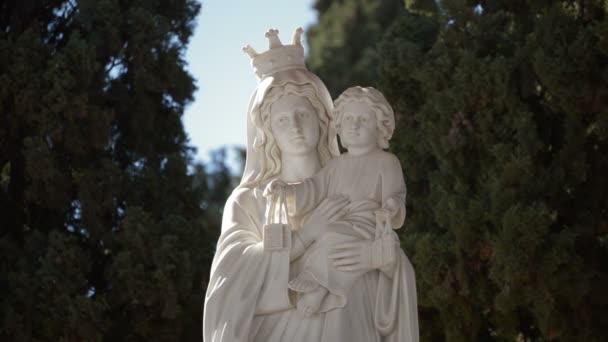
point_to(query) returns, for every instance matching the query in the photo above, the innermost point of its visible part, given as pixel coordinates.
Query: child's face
(358, 128)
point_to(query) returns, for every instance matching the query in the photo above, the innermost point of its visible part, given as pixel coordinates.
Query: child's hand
(391, 208)
(273, 187)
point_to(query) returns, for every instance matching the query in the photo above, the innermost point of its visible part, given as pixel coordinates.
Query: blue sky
(223, 71)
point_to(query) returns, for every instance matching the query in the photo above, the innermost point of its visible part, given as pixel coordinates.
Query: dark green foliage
(107, 226)
(503, 134)
(346, 36)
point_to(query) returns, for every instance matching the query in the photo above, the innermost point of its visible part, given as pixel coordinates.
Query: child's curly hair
(385, 117)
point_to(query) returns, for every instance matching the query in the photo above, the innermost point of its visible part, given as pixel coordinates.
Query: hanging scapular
(277, 229)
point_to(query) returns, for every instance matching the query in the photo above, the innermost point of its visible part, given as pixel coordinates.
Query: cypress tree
(343, 42)
(108, 226)
(505, 149)
(502, 132)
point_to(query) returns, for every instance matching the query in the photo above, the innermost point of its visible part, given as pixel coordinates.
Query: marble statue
(365, 122)
(307, 250)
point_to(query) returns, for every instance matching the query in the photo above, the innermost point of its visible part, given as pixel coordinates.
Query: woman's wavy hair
(385, 117)
(270, 164)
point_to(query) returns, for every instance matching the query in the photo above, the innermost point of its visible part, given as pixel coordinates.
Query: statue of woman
(248, 298)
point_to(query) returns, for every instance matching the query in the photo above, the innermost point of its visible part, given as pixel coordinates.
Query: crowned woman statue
(290, 138)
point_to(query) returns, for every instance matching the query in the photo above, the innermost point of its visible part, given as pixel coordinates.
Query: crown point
(297, 36)
(271, 32)
(250, 51)
(273, 38)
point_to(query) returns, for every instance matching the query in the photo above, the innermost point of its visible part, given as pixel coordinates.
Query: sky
(223, 72)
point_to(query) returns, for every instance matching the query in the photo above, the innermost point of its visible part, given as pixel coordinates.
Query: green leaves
(500, 129)
(107, 232)
(346, 36)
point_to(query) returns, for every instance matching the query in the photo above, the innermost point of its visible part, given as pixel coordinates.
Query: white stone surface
(307, 250)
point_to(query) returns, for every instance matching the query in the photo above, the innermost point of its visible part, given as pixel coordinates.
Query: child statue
(373, 181)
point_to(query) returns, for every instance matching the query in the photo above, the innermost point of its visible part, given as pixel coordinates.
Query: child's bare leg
(311, 293)
(304, 283)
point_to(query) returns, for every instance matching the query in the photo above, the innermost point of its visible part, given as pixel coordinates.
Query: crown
(278, 57)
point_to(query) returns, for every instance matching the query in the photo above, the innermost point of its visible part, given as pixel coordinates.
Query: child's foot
(310, 302)
(303, 283)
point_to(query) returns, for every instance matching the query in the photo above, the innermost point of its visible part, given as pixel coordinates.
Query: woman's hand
(391, 208)
(328, 211)
(366, 254)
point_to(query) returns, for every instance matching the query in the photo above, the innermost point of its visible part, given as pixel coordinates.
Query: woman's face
(294, 125)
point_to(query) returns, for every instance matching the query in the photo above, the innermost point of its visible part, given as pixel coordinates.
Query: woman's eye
(282, 119)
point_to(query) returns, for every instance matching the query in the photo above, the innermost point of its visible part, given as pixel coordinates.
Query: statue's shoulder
(388, 157)
(243, 196)
(387, 162)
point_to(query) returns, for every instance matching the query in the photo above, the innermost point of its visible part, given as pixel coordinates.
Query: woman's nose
(296, 123)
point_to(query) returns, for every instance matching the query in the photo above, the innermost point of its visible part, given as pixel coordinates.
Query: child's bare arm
(393, 191)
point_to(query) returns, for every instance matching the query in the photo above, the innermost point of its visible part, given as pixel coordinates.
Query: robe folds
(248, 299)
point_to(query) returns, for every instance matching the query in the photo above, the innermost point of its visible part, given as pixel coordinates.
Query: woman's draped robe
(248, 298)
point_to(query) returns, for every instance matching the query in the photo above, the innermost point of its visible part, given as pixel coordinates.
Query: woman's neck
(299, 167)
